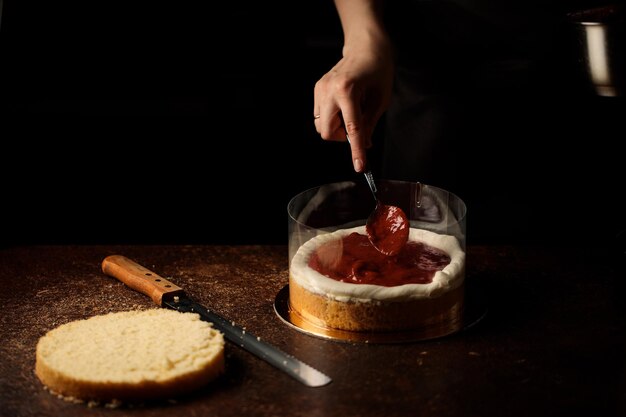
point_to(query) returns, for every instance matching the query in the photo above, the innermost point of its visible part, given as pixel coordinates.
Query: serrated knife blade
(166, 294)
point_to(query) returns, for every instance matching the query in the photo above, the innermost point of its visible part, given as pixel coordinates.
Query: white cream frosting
(445, 280)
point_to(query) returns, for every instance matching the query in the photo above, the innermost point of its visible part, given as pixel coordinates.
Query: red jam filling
(388, 229)
(353, 259)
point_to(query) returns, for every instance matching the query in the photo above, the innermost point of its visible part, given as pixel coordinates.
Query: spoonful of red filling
(387, 229)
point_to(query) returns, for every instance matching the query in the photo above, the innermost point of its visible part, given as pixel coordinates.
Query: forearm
(362, 24)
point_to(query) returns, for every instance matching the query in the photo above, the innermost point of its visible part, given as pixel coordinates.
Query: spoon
(387, 227)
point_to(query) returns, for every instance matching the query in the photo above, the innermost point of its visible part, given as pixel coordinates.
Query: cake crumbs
(90, 403)
(113, 404)
(67, 398)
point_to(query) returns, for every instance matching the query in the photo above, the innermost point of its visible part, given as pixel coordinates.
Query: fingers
(346, 106)
(345, 128)
(358, 158)
(337, 116)
(356, 130)
(326, 112)
(359, 143)
(330, 127)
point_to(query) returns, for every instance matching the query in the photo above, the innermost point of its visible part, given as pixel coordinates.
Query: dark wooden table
(552, 342)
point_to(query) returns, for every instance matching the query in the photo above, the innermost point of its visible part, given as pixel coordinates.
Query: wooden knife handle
(140, 278)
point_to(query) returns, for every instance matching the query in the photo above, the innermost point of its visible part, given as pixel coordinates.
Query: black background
(146, 123)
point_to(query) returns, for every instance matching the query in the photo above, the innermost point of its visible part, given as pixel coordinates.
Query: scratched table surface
(552, 341)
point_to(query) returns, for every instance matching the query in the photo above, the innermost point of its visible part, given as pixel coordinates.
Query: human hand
(352, 96)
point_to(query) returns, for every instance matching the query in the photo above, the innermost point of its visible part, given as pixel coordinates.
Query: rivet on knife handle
(140, 278)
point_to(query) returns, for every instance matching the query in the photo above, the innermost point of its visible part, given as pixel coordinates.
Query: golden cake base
(474, 309)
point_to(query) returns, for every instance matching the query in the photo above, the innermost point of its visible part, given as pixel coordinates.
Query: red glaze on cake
(361, 263)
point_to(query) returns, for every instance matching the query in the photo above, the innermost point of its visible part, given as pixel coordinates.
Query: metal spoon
(387, 226)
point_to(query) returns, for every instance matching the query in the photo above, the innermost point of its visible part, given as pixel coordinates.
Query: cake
(340, 281)
(130, 356)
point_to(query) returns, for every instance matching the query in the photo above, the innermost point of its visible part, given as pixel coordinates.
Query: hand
(355, 93)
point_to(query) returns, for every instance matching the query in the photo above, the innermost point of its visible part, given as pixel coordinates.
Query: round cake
(340, 281)
(130, 355)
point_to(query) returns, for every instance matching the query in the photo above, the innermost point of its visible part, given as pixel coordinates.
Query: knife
(166, 294)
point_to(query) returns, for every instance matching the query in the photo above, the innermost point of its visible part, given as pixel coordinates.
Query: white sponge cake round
(130, 355)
